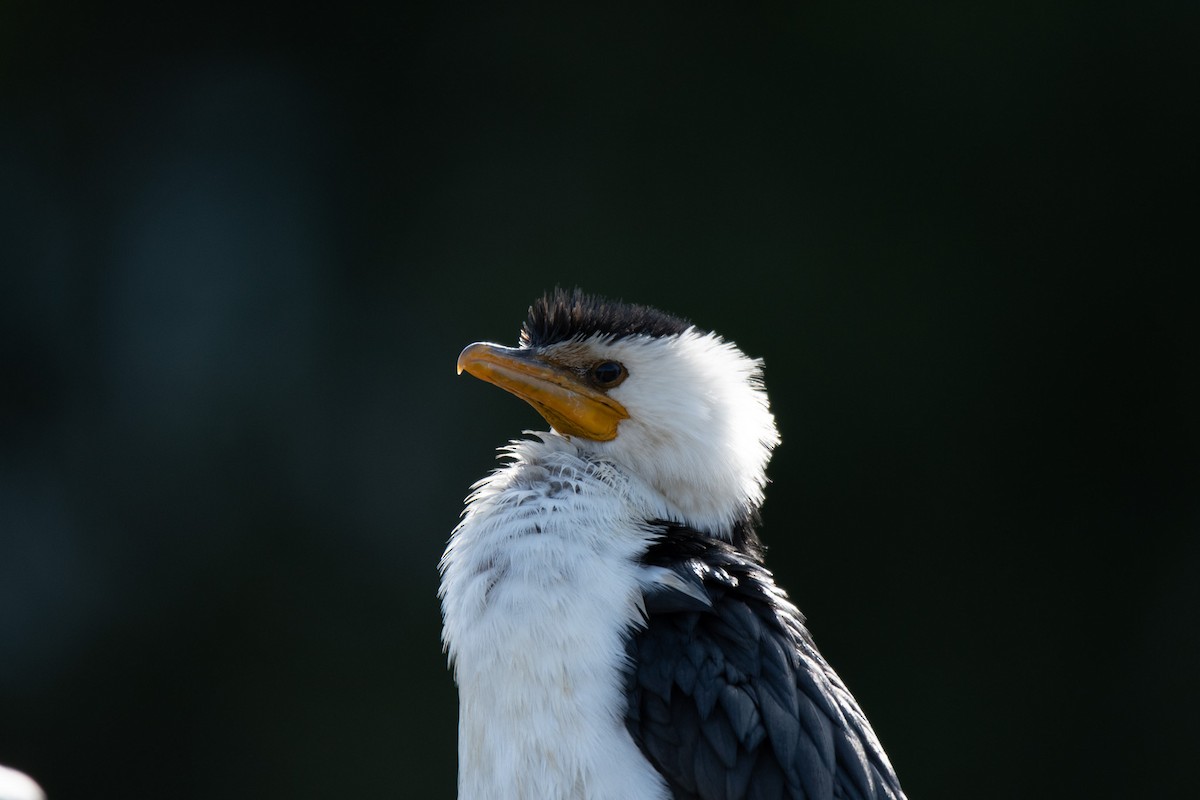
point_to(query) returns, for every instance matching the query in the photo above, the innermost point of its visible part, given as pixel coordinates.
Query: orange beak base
(562, 398)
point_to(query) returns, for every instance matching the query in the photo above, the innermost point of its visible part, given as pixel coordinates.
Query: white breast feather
(540, 587)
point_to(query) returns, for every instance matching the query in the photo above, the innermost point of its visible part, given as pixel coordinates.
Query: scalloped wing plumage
(733, 700)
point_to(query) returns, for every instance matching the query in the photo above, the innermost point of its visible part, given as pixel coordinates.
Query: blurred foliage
(240, 250)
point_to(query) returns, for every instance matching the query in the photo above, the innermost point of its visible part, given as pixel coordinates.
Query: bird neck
(540, 592)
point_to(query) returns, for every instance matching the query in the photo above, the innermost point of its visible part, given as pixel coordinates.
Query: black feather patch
(561, 316)
(732, 700)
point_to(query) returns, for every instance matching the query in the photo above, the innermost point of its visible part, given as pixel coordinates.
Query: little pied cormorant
(613, 630)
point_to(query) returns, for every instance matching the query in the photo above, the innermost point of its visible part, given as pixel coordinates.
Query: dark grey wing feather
(731, 699)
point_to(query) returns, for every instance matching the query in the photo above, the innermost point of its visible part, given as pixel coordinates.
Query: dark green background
(241, 249)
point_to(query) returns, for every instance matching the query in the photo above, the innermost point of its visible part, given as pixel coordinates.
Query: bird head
(679, 407)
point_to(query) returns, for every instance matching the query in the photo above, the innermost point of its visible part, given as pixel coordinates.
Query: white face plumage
(699, 426)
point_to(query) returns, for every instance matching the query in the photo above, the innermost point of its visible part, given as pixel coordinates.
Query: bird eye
(608, 374)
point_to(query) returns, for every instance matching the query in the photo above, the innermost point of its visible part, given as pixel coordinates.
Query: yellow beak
(560, 395)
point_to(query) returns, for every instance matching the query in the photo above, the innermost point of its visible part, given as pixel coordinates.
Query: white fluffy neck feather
(540, 588)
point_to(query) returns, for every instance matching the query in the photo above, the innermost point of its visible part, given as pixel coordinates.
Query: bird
(612, 627)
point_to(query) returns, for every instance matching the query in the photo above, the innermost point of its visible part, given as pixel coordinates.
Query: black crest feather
(563, 315)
